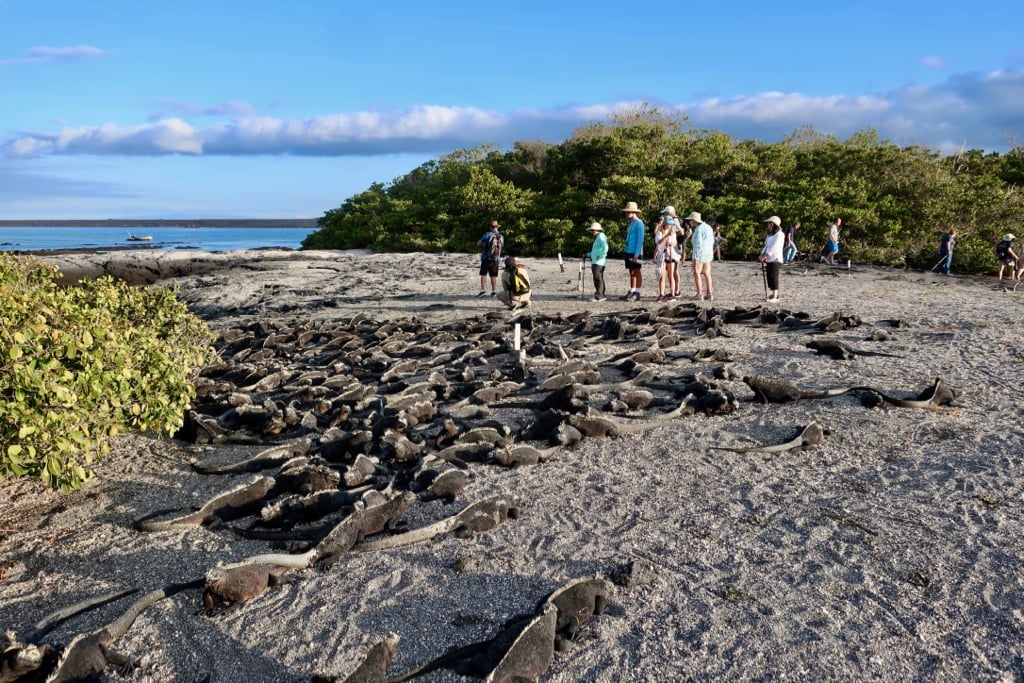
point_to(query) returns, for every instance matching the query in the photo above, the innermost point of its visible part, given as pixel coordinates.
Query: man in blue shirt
(490, 255)
(634, 251)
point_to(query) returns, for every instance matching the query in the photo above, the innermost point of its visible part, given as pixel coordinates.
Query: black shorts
(631, 265)
(488, 267)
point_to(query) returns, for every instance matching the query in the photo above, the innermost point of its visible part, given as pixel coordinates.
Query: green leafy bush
(82, 364)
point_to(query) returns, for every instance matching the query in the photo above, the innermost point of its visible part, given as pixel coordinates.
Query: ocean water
(166, 238)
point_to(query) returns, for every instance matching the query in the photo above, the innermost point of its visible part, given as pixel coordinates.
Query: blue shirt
(703, 242)
(635, 238)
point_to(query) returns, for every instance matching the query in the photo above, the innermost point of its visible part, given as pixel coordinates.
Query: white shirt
(773, 245)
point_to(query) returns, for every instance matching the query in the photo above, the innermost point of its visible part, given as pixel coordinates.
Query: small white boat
(139, 238)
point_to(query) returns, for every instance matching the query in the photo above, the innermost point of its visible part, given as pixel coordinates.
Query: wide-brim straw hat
(631, 207)
(695, 216)
(595, 227)
(774, 219)
(1009, 237)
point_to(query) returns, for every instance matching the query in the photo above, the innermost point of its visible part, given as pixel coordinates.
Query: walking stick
(579, 282)
(764, 276)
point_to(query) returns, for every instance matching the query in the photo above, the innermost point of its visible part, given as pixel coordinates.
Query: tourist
(665, 255)
(789, 248)
(515, 284)
(669, 212)
(598, 259)
(634, 251)
(771, 257)
(702, 247)
(1007, 256)
(946, 246)
(490, 256)
(719, 241)
(832, 246)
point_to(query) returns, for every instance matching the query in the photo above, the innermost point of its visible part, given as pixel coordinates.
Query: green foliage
(894, 201)
(80, 365)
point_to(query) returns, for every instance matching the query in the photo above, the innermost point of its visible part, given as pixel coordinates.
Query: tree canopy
(895, 201)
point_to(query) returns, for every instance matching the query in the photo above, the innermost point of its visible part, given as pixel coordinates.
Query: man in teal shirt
(634, 251)
(598, 259)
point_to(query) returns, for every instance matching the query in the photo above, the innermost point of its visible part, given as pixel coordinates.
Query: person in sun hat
(702, 244)
(598, 259)
(681, 235)
(666, 257)
(515, 284)
(771, 256)
(634, 251)
(1006, 255)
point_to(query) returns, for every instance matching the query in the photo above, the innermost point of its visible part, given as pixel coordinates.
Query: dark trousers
(598, 272)
(772, 269)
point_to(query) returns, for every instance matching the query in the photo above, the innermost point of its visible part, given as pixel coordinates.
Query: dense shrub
(81, 364)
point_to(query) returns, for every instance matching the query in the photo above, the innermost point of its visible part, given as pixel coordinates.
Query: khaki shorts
(702, 267)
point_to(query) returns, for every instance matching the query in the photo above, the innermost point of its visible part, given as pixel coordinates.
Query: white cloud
(933, 62)
(43, 54)
(985, 110)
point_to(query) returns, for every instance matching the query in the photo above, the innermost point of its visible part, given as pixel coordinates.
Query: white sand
(893, 551)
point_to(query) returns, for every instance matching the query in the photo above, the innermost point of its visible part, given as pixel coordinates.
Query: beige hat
(631, 207)
(773, 219)
(670, 210)
(595, 227)
(694, 216)
(1009, 237)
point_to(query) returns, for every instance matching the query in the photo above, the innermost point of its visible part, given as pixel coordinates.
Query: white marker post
(561, 265)
(516, 344)
(848, 268)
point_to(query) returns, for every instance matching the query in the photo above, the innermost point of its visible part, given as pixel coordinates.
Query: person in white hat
(702, 243)
(598, 259)
(771, 256)
(1007, 256)
(666, 256)
(634, 251)
(832, 246)
(681, 234)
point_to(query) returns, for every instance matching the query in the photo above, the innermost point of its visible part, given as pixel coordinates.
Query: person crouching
(515, 284)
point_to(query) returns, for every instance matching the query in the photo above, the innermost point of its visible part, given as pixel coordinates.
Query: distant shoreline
(165, 223)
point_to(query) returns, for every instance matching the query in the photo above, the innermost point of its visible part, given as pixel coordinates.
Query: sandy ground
(892, 551)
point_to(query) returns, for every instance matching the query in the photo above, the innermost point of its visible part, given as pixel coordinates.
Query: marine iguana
(265, 459)
(777, 391)
(811, 435)
(577, 602)
(516, 455)
(522, 651)
(482, 515)
(370, 665)
(237, 502)
(936, 397)
(88, 655)
(837, 350)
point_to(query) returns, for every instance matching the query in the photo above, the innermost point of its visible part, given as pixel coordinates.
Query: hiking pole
(579, 282)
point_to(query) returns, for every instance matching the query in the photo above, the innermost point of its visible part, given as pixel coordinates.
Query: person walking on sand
(1006, 255)
(702, 248)
(946, 246)
(598, 259)
(833, 241)
(771, 256)
(719, 241)
(789, 248)
(634, 251)
(515, 284)
(665, 255)
(490, 245)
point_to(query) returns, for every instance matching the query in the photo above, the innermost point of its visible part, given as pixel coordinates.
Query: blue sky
(273, 109)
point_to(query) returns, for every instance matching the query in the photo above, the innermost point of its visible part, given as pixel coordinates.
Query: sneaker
(600, 298)
(483, 292)
(594, 299)
(660, 297)
(628, 296)
(709, 297)
(635, 296)
(494, 294)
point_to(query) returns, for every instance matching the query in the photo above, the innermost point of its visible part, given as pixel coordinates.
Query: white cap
(670, 210)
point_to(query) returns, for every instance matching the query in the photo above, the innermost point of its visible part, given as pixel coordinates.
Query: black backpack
(1003, 249)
